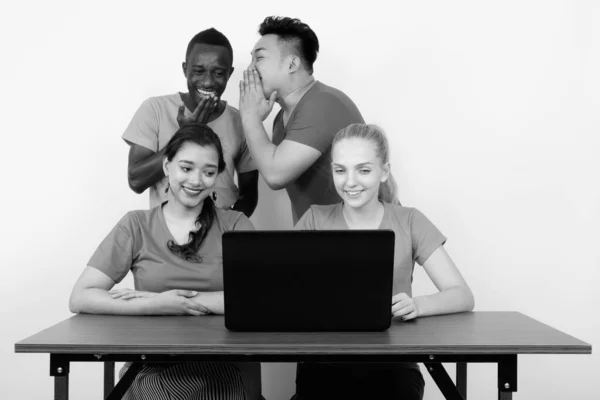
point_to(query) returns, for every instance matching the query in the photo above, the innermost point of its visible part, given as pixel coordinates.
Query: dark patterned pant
(187, 381)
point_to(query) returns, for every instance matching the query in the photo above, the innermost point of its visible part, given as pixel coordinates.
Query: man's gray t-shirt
(155, 123)
(318, 116)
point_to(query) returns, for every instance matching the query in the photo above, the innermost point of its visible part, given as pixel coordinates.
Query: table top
(464, 333)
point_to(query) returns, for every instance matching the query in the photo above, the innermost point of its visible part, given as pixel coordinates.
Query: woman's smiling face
(357, 171)
(192, 173)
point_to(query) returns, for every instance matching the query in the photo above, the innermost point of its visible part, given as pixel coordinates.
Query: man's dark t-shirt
(320, 114)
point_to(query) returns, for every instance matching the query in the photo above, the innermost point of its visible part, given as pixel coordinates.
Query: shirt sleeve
(426, 237)
(115, 255)
(143, 127)
(317, 121)
(245, 162)
(243, 223)
(306, 222)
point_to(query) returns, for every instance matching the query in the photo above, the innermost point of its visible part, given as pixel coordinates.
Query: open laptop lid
(308, 280)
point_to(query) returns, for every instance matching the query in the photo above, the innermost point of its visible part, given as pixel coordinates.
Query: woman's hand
(404, 306)
(128, 294)
(175, 302)
(214, 302)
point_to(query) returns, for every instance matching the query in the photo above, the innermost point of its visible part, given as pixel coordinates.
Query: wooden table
(487, 337)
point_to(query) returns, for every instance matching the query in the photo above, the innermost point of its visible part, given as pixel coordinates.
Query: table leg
(61, 387)
(461, 378)
(109, 377)
(443, 381)
(124, 383)
(59, 369)
(507, 377)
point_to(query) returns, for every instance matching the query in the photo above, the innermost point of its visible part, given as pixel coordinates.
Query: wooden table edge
(305, 350)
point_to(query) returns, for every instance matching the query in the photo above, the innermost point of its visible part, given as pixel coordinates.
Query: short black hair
(296, 34)
(209, 36)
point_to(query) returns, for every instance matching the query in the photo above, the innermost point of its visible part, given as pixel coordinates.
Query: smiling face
(192, 174)
(207, 71)
(357, 172)
(269, 59)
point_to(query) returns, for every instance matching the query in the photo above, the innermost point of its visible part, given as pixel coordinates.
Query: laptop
(337, 280)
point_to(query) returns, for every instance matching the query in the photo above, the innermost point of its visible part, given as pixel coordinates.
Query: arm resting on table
(90, 295)
(454, 294)
(213, 301)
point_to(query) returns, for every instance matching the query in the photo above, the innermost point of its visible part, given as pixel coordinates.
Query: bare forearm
(146, 172)
(261, 148)
(99, 301)
(246, 204)
(213, 301)
(452, 300)
(248, 192)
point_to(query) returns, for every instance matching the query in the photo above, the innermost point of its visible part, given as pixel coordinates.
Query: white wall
(491, 109)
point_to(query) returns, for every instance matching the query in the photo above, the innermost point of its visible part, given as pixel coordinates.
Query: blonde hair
(388, 190)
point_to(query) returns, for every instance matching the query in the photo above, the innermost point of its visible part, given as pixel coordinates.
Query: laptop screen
(308, 280)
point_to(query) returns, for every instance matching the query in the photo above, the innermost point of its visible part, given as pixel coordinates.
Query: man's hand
(201, 114)
(253, 102)
(404, 306)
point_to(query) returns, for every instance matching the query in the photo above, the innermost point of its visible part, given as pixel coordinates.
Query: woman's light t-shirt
(138, 243)
(416, 237)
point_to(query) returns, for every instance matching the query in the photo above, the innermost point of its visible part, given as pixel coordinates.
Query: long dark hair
(204, 136)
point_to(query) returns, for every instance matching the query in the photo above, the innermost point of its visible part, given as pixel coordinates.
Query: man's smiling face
(207, 71)
(269, 60)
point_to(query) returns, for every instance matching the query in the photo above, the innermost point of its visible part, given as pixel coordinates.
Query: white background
(492, 111)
